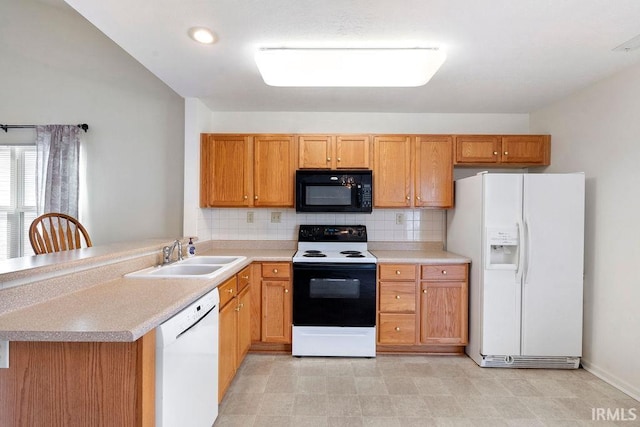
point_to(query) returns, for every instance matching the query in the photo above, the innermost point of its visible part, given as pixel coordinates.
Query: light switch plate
(276, 216)
(399, 218)
(4, 354)
(249, 217)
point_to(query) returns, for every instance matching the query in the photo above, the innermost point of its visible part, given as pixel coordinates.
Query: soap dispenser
(191, 248)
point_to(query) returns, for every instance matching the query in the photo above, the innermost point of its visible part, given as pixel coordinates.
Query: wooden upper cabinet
(334, 152)
(353, 152)
(529, 149)
(503, 150)
(434, 171)
(225, 170)
(477, 148)
(274, 170)
(315, 151)
(391, 171)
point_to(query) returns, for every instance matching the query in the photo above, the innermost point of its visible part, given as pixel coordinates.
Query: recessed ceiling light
(348, 67)
(202, 35)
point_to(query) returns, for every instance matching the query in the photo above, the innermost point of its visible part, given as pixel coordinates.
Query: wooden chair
(55, 232)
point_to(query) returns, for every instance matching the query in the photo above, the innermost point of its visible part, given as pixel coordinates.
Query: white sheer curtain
(57, 170)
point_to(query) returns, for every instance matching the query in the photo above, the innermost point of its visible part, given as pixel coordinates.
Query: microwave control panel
(366, 198)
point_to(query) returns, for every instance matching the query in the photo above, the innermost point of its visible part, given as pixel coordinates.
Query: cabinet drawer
(244, 278)
(397, 328)
(444, 272)
(279, 270)
(397, 297)
(397, 272)
(227, 291)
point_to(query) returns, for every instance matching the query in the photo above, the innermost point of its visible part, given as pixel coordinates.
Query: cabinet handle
(408, 198)
(255, 197)
(339, 159)
(444, 271)
(398, 328)
(237, 308)
(495, 153)
(328, 159)
(397, 296)
(240, 305)
(230, 291)
(245, 277)
(418, 198)
(506, 153)
(424, 291)
(286, 291)
(275, 271)
(398, 272)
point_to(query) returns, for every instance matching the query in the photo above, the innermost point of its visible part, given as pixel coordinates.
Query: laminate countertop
(123, 309)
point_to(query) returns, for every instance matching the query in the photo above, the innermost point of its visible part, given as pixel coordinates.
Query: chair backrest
(55, 232)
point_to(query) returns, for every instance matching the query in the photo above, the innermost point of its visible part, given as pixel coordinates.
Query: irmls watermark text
(614, 414)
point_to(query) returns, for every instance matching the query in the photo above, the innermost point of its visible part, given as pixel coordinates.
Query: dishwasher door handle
(199, 320)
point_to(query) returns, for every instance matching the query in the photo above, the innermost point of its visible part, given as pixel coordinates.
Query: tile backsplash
(409, 225)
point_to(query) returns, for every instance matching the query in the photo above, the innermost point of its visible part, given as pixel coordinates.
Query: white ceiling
(504, 56)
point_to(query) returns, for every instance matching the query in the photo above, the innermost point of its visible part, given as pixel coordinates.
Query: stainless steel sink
(206, 267)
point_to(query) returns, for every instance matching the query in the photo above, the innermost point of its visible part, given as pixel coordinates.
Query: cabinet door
(228, 346)
(276, 311)
(256, 302)
(477, 148)
(225, 170)
(391, 171)
(315, 152)
(530, 149)
(353, 152)
(244, 324)
(443, 307)
(434, 171)
(274, 171)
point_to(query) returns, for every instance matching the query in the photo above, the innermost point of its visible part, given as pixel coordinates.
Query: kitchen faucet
(167, 251)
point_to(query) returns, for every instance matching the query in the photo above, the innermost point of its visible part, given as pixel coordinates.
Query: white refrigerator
(524, 234)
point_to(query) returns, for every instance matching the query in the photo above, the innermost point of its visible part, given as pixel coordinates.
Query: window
(17, 199)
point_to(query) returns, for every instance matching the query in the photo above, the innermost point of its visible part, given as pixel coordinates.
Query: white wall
(596, 131)
(418, 224)
(56, 67)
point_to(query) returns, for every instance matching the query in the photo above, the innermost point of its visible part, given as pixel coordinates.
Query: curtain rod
(83, 126)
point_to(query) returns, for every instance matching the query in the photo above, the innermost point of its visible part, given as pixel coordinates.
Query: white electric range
(334, 292)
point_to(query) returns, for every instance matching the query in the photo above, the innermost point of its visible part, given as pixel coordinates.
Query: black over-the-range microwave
(334, 191)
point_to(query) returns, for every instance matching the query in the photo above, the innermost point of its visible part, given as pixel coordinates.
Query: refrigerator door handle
(526, 258)
(521, 246)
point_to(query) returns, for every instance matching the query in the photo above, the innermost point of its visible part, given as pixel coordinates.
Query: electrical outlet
(249, 217)
(276, 217)
(4, 354)
(399, 218)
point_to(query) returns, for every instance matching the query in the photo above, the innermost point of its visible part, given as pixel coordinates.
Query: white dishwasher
(187, 365)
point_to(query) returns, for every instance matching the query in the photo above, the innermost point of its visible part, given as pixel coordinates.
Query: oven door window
(334, 288)
(328, 195)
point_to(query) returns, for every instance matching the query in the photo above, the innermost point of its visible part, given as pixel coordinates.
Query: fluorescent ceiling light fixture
(348, 67)
(629, 45)
(202, 35)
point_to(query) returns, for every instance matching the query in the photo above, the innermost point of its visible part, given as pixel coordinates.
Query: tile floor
(281, 390)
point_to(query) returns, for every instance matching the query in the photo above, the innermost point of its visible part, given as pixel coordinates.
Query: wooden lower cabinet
(235, 327)
(444, 304)
(276, 303)
(79, 384)
(422, 308)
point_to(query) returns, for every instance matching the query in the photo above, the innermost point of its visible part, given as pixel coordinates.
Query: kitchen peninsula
(82, 336)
